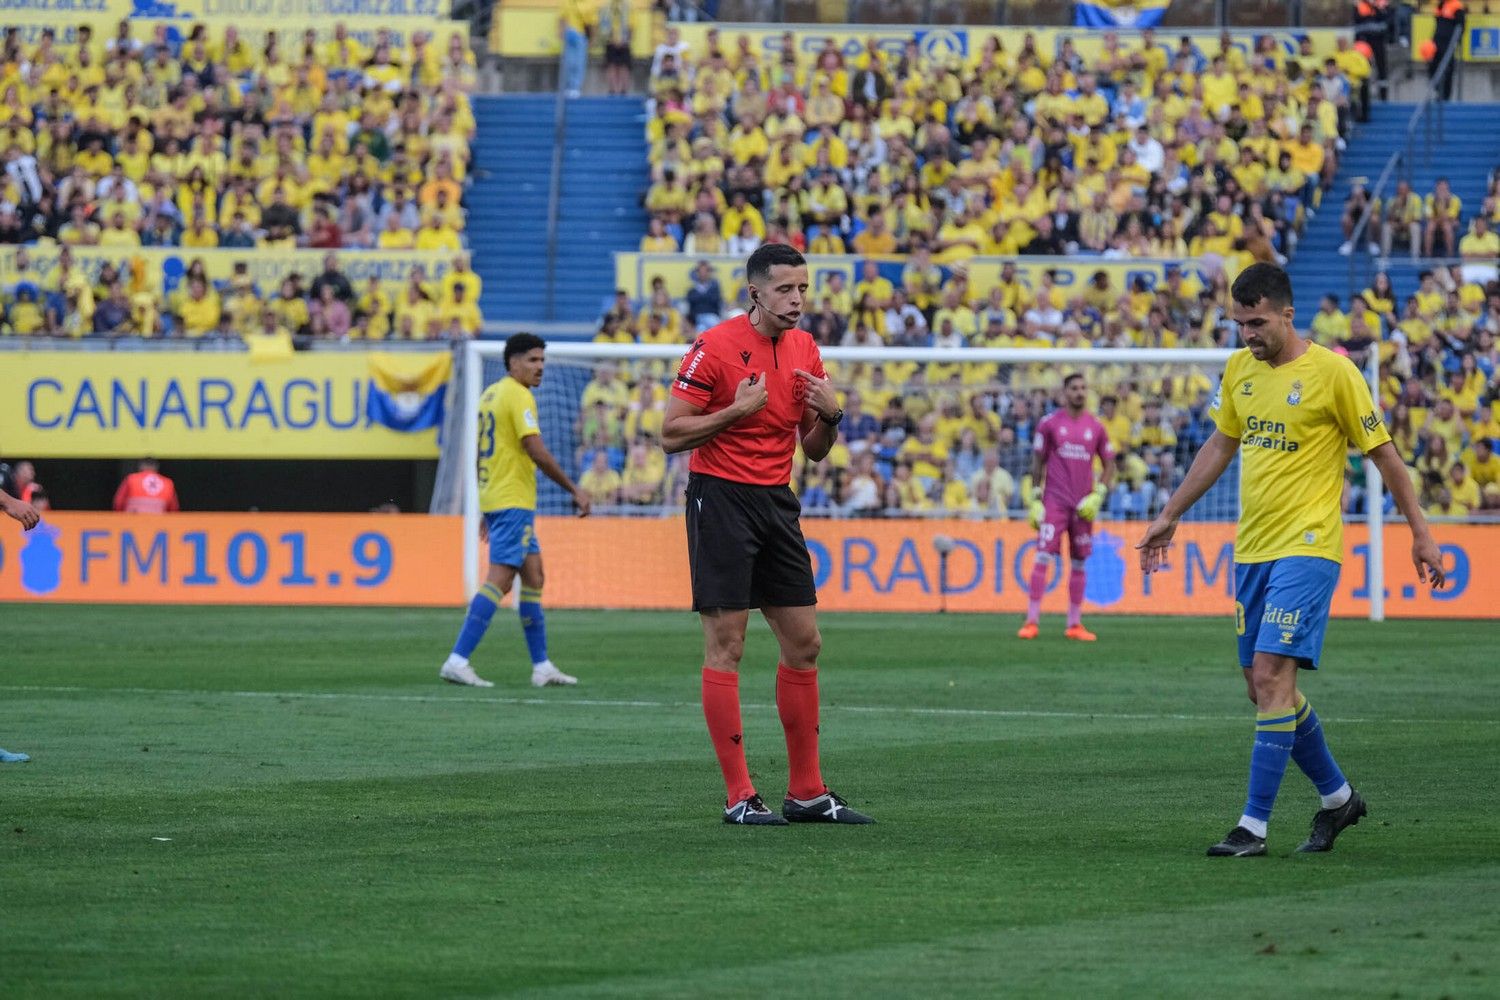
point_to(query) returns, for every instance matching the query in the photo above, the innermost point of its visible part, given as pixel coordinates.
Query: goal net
(931, 438)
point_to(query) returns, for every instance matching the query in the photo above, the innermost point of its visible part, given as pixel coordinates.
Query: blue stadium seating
(508, 203)
(604, 176)
(1469, 151)
(603, 179)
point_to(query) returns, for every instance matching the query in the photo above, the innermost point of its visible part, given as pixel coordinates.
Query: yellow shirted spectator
(464, 311)
(118, 233)
(1307, 155)
(1480, 243)
(145, 313)
(738, 213)
(435, 236)
(1483, 464)
(657, 239)
(200, 234)
(394, 236)
(1445, 422)
(1330, 325)
(199, 310)
(26, 316)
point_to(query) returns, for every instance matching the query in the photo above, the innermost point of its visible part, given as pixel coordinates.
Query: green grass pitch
(286, 802)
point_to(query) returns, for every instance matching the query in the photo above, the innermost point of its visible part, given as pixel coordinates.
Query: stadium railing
(554, 182)
(1429, 116)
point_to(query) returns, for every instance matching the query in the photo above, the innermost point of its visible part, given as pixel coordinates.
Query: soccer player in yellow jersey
(510, 452)
(1288, 407)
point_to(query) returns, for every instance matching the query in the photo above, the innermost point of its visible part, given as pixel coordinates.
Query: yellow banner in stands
(960, 42)
(253, 18)
(634, 272)
(1481, 42)
(529, 28)
(186, 404)
(165, 269)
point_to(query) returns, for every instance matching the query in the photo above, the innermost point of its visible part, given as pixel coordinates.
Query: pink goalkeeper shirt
(1068, 445)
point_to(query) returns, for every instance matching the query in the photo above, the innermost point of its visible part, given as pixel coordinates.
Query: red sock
(721, 707)
(797, 702)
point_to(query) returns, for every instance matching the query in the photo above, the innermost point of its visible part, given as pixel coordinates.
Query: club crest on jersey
(1295, 396)
(745, 357)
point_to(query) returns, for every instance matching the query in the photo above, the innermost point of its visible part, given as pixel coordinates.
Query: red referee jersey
(758, 449)
(146, 493)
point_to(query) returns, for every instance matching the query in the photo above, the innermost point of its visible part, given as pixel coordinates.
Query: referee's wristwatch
(834, 420)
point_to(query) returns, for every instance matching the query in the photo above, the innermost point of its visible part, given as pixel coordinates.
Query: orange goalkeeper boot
(1080, 633)
(1028, 631)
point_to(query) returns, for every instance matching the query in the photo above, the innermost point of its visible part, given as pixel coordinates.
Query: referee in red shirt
(746, 391)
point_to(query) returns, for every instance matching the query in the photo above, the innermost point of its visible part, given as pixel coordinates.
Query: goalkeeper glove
(1036, 511)
(1088, 507)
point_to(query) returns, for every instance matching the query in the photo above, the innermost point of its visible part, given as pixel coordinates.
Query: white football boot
(546, 675)
(456, 670)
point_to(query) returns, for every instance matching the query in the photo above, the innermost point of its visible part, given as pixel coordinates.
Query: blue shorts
(1282, 607)
(512, 535)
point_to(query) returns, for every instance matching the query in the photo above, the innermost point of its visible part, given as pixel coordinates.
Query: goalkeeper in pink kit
(1065, 498)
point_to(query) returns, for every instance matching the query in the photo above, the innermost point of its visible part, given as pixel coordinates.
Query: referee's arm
(686, 426)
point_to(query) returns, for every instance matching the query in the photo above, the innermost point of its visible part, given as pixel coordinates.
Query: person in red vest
(146, 491)
(1447, 31)
(26, 486)
(1372, 25)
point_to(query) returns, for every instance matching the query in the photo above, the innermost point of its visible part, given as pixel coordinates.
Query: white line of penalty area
(565, 700)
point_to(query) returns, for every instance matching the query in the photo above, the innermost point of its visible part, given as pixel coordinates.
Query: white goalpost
(571, 364)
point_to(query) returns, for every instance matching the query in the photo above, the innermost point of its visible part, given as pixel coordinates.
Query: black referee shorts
(745, 546)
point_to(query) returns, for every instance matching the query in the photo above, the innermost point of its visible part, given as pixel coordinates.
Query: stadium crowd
(121, 301)
(1144, 150)
(955, 437)
(195, 139)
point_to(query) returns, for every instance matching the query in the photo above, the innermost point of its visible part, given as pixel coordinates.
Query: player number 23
(486, 435)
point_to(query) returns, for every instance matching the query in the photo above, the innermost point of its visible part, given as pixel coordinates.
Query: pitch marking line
(455, 699)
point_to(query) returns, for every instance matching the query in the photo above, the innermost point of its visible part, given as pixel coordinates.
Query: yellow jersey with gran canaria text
(507, 475)
(1293, 423)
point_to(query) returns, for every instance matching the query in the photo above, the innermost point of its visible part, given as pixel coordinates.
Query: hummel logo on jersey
(745, 357)
(1245, 389)
(697, 345)
(737, 737)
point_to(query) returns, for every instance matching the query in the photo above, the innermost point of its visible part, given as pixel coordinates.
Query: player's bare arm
(1425, 554)
(20, 510)
(537, 451)
(820, 416)
(1209, 464)
(686, 426)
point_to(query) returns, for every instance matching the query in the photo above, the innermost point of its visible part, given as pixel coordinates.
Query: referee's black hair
(1068, 378)
(767, 256)
(1262, 281)
(520, 343)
